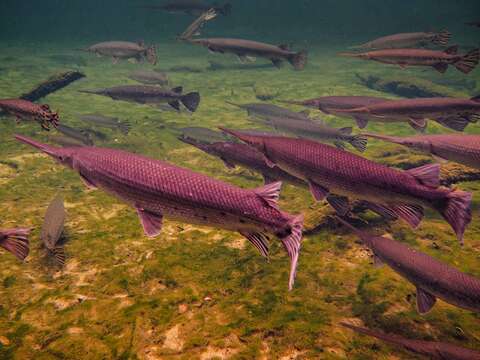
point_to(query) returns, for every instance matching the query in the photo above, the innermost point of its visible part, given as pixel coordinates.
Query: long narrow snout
(48, 149)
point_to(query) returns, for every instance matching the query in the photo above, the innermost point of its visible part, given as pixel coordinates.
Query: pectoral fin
(152, 223)
(377, 262)
(425, 301)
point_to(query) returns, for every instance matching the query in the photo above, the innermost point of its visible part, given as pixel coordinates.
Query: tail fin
(359, 142)
(191, 101)
(16, 242)
(299, 60)
(151, 55)
(292, 244)
(442, 38)
(468, 62)
(59, 254)
(457, 211)
(226, 9)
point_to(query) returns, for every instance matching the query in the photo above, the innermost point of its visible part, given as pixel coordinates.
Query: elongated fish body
(408, 40)
(432, 349)
(332, 171)
(149, 77)
(27, 110)
(233, 154)
(432, 278)
(105, 121)
(157, 189)
(15, 241)
(463, 149)
(155, 95)
(202, 135)
(75, 134)
(440, 60)
(247, 48)
(318, 131)
(269, 111)
(125, 50)
(52, 229)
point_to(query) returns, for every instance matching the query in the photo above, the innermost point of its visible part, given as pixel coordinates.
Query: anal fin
(340, 204)
(152, 223)
(319, 193)
(259, 240)
(411, 213)
(425, 301)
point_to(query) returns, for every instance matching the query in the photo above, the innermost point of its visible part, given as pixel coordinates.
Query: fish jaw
(62, 155)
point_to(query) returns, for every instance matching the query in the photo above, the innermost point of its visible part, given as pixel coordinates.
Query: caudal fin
(16, 242)
(359, 142)
(456, 209)
(191, 101)
(299, 60)
(442, 38)
(58, 254)
(468, 62)
(292, 244)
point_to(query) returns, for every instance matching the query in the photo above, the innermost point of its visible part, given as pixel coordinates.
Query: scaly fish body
(125, 50)
(27, 110)
(157, 189)
(247, 48)
(332, 171)
(432, 278)
(407, 40)
(432, 349)
(105, 121)
(269, 111)
(463, 149)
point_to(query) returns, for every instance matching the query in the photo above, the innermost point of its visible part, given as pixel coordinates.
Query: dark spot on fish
(242, 221)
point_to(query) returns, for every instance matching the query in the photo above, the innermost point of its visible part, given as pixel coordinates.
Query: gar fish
(432, 278)
(15, 241)
(76, 134)
(202, 135)
(65, 141)
(150, 77)
(407, 40)
(431, 349)
(439, 60)
(52, 229)
(233, 154)
(463, 149)
(455, 112)
(125, 50)
(157, 189)
(27, 110)
(329, 170)
(150, 95)
(248, 50)
(269, 110)
(191, 7)
(105, 121)
(319, 131)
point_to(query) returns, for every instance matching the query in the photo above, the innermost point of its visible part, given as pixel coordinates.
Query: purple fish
(157, 189)
(15, 241)
(432, 278)
(329, 170)
(431, 349)
(463, 149)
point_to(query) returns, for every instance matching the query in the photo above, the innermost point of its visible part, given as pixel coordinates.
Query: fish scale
(157, 189)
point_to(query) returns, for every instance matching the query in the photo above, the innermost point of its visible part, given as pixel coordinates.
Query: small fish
(268, 110)
(91, 133)
(27, 110)
(76, 134)
(432, 278)
(105, 121)
(15, 241)
(157, 189)
(439, 60)
(191, 7)
(408, 40)
(463, 149)
(247, 50)
(202, 135)
(319, 131)
(233, 154)
(52, 229)
(431, 349)
(329, 170)
(125, 50)
(65, 141)
(455, 113)
(150, 77)
(150, 95)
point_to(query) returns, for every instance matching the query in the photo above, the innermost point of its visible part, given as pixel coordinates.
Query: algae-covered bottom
(197, 292)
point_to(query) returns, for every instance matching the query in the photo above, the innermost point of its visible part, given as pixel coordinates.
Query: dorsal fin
(452, 50)
(428, 175)
(270, 193)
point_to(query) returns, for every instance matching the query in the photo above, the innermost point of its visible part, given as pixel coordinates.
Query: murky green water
(197, 292)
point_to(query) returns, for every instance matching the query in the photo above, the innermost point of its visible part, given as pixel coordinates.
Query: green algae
(120, 293)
